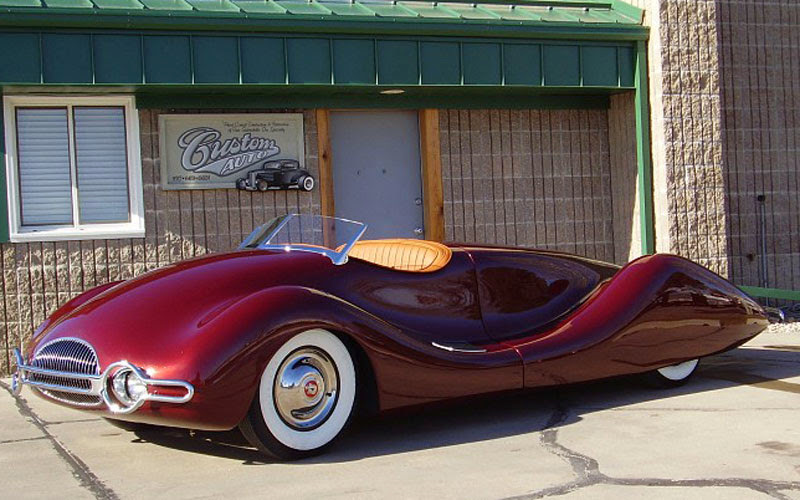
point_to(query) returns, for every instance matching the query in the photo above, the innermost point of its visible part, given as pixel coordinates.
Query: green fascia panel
(119, 4)
(263, 60)
(561, 65)
(70, 4)
(398, 62)
(259, 6)
(304, 8)
(522, 64)
(216, 59)
(168, 59)
(441, 63)
(599, 66)
(483, 64)
(213, 5)
(67, 58)
(309, 60)
(174, 59)
(20, 58)
(626, 58)
(354, 62)
(117, 59)
(178, 5)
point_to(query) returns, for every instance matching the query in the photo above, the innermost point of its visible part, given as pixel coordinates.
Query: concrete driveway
(732, 432)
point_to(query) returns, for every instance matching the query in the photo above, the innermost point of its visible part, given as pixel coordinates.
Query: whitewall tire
(673, 375)
(305, 397)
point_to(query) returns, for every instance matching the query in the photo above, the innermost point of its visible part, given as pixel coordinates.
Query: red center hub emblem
(311, 388)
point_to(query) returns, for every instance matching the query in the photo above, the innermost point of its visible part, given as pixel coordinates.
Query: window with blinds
(73, 168)
(47, 179)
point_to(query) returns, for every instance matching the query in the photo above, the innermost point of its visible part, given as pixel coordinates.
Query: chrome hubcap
(305, 389)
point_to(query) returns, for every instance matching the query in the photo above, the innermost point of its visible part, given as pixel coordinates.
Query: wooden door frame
(430, 163)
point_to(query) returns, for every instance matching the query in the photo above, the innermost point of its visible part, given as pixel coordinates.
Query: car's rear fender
(656, 311)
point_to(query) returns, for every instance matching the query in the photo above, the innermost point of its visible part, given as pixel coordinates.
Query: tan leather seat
(410, 255)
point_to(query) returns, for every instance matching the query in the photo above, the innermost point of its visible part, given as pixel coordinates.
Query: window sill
(102, 232)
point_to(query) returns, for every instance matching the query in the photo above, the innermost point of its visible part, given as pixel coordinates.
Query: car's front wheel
(305, 397)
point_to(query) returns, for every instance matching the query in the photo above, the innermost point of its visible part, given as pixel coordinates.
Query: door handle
(419, 231)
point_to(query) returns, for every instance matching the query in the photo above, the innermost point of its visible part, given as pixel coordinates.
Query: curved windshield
(330, 236)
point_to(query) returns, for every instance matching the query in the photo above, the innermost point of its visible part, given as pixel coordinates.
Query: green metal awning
(359, 44)
(373, 15)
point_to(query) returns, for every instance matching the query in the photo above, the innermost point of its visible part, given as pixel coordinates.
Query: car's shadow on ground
(503, 415)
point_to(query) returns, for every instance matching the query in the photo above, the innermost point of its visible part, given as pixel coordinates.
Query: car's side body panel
(215, 322)
(523, 292)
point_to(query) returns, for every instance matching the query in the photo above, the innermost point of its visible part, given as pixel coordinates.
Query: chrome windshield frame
(337, 258)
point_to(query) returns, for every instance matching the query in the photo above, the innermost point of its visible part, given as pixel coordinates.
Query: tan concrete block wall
(39, 277)
(624, 178)
(686, 120)
(535, 178)
(760, 90)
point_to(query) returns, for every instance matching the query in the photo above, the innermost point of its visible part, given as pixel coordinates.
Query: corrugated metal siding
(535, 178)
(759, 66)
(39, 277)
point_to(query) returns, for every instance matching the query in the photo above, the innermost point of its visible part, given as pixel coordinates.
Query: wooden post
(432, 193)
(325, 163)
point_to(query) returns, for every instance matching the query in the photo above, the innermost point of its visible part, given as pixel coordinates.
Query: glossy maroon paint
(543, 318)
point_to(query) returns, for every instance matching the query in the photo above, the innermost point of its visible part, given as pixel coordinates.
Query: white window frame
(77, 231)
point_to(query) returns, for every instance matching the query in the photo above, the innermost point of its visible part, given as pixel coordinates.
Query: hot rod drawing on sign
(277, 174)
(305, 325)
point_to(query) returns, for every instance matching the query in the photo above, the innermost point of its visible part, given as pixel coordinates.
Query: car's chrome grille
(72, 356)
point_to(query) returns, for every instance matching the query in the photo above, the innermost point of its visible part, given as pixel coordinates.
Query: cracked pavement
(731, 432)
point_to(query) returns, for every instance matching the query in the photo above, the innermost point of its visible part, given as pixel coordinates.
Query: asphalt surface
(731, 432)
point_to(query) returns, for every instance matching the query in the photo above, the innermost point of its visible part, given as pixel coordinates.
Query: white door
(376, 171)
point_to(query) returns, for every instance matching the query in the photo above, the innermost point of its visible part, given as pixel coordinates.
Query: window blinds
(102, 164)
(44, 172)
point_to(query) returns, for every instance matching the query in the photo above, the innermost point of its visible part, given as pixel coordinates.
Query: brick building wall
(39, 277)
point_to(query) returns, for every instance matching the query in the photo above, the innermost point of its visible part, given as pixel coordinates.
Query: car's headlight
(128, 387)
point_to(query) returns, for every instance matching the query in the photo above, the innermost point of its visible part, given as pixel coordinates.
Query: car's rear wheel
(305, 397)
(673, 375)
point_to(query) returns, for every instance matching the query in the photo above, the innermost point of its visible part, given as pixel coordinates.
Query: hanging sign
(203, 151)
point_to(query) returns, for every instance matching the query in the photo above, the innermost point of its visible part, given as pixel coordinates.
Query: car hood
(153, 316)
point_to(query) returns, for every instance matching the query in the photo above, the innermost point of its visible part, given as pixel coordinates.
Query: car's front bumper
(49, 381)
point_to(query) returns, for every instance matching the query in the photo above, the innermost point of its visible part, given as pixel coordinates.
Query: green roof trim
(486, 18)
(92, 57)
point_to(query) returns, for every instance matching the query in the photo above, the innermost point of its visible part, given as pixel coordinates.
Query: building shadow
(501, 416)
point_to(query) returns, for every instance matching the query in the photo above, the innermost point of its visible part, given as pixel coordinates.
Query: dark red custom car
(304, 324)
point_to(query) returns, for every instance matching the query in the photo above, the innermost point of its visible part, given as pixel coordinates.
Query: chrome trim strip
(448, 348)
(99, 384)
